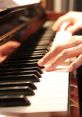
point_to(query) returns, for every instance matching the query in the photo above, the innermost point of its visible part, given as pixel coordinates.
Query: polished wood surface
(74, 107)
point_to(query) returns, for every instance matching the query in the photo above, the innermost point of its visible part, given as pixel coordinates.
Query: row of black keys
(20, 71)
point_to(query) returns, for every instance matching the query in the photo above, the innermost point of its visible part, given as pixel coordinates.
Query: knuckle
(60, 18)
(76, 40)
(81, 56)
(74, 65)
(70, 12)
(80, 45)
(57, 48)
(65, 53)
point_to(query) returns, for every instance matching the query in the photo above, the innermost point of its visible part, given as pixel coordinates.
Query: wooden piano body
(16, 26)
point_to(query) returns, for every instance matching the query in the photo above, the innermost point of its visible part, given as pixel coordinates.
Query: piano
(26, 90)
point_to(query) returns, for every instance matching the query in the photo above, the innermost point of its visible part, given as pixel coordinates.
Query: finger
(60, 21)
(50, 55)
(75, 64)
(64, 55)
(57, 49)
(74, 27)
(73, 41)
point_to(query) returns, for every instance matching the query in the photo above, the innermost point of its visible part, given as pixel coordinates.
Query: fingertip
(48, 67)
(71, 29)
(70, 68)
(54, 28)
(40, 62)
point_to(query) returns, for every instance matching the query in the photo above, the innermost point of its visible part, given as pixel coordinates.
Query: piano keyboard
(51, 95)
(25, 87)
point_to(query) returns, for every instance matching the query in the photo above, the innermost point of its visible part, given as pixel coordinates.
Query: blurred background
(62, 5)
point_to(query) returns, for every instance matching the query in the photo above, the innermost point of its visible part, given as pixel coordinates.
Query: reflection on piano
(25, 89)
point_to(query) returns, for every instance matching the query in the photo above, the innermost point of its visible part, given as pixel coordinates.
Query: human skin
(69, 49)
(74, 20)
(60, 53)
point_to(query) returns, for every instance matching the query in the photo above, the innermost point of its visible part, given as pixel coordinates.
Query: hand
(60, 53)
(73, 19)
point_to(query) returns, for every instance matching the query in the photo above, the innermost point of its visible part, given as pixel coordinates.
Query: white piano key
(51, 95)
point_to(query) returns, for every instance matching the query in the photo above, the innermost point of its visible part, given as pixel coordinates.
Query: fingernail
(48, 68)
(70, 69)
(40, 62)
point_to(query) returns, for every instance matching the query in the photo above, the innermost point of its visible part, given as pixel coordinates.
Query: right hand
(60, 53)
(73, 19)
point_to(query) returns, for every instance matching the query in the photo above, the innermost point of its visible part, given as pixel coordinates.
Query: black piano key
(30, 64)
(35, 68)
(20, 73)
(12, 69)
(14, 100)
(11, 84)
(42, 43)
(16, 90)
(27, 53)
(20, 64)
(39, 48)
(34, 56)
(32, 60)
(28, 77)
(36, 52)
(27, 57)
(26, 60)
